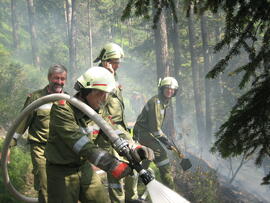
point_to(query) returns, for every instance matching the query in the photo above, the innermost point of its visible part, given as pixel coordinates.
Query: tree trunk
(33, 34)
(163, 69)
(68, 12)
(208, 111)
(195, 78)
(217, 83)
(161, 42)
(216, 57)
(14, 24)
(90, 44)
(173, 39)
(130, 35)
(71, 24)
(174, 36)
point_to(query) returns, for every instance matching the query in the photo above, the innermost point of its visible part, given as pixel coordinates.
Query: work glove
(166, 142)
(121, 170)
(13, 143)
(141, 152)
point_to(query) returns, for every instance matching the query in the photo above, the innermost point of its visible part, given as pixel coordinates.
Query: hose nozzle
(146, 176)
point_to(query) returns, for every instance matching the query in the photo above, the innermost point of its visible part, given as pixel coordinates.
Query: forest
(218, 50)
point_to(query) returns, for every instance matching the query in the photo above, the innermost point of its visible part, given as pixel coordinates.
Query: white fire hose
(106, 128)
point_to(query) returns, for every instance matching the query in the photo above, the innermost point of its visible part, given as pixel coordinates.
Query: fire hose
(120, 145)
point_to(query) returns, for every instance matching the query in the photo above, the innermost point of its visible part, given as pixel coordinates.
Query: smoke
(248, 178)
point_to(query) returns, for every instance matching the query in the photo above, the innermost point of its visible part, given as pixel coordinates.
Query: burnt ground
(203, 184)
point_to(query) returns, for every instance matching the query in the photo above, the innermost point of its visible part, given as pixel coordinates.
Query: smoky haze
(137, 73)
(136, 80)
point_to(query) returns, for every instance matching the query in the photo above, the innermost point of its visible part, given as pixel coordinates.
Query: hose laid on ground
(106, 128)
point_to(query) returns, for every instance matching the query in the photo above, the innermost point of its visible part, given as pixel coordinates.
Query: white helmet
(96, 78)
(110, 51)
(169, 82)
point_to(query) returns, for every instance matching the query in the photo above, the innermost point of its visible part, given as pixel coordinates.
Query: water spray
(156, 189)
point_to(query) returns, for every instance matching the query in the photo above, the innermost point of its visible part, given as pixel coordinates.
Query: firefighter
(148, 127)
(37, 124)
(120, 191)
(70, 150)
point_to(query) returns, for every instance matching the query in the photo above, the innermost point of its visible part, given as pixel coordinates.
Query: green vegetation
(16, 81)
(239, 63)
(19, 169)
(199, 186)
(204, 186)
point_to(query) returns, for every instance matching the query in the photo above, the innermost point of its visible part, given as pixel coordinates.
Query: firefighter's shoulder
(61, 102)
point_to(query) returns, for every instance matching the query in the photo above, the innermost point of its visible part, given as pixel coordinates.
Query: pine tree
(247, 30)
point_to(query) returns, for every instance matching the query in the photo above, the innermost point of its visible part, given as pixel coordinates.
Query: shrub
(18, 169)
(16, 81)
(199, 186)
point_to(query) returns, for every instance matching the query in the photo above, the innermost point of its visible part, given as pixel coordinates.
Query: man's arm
(24, 123)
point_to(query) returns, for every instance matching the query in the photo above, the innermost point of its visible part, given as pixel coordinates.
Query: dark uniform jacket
(38, 120)
(151, 118)
(70, 141)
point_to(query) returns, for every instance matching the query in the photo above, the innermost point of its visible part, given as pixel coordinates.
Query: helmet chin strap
(84, 100)
(162, 97)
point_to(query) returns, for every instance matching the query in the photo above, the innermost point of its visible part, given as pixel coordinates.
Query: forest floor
(245, 188)
(188, 184)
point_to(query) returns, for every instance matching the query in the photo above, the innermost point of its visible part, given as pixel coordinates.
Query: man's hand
(108, 66)
(166, 142)
(141, 152)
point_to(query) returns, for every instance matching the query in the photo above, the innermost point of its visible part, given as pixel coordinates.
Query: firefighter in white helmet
(110, 58)
(70, 150)
(148, 127)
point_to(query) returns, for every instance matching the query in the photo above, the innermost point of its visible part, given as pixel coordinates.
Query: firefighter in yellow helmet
(70, 150)
(148, 127)
(110, 58)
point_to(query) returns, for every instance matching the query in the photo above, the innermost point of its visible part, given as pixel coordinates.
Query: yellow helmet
(96, 78)
(110, 51)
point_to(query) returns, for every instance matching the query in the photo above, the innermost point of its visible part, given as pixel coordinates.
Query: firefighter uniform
(70, 147)
(38, 127)
(147, 131)
(69, 150)
(119, 190)
(110, 56)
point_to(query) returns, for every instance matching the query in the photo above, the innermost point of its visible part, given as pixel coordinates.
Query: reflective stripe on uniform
(45, 106)
(83, 130)
(80, 143)
(94, 127)
(118, 132)
(16, 135)
(164, 162)
(114, 186)
(99, 172)
(89, 129)
(158, 133)
(100, 155)
(162, 111)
